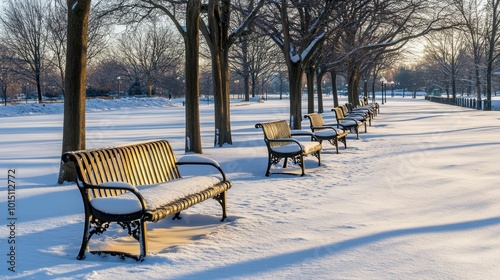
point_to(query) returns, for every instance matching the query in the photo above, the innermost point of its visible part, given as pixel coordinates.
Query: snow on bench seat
(155, 195)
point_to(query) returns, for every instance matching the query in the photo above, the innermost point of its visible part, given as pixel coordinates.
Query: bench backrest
(339, 113)
(315, 120)
(345, 109)
(275, 130)
(143, 163)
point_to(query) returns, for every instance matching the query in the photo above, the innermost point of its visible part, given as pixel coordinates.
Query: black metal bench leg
(85, 240)
(143, 240)
(302, 165)
(268, 171)
(221, 198)
(223, 204)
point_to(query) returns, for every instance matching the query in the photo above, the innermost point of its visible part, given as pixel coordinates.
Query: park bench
(374, 107)
(362, 114)
(281, 144)
(333, 133)
(138, 183)
(352, 123)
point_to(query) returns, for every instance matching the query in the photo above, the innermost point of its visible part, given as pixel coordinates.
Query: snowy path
(415, 198)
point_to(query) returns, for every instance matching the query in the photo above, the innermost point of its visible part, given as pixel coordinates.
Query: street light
(119, 78)
(383, 82)
(373, 94)
(365, 89)
(392, 88)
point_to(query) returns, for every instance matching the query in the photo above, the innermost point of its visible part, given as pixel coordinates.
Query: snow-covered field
(416, 198)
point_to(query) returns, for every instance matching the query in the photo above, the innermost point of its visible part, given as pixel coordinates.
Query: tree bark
(192, 42)
(75, 84)
(310, 88)
(319, 86)
(335, 94)
(246, 70)
(295, 72)
(218, 24)
(353, 79)
(493, 40)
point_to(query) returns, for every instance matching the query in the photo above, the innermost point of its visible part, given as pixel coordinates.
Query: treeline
(188, 47)
(142, 54)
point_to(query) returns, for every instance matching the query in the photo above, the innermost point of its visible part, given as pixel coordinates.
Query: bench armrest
(201, 160)
(349, 119)
(119, 186)
(284, 140)
(327, 127)
(297, 132)
(363, 115)
(288, 140)
(335, 126)
(339, 125)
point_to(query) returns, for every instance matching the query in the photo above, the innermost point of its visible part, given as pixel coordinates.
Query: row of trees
(464, 58)
(359, 40)
(33, 45)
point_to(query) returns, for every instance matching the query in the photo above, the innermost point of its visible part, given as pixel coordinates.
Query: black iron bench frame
(341, 118)
(139, 164)
(317, 124)
(278, 134)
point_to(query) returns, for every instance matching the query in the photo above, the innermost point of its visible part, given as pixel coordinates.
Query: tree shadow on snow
(270, 263)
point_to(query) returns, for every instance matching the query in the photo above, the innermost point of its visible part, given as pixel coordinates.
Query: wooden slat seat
(333, 133)
(110, 181)
(351, 123)
(281, 144)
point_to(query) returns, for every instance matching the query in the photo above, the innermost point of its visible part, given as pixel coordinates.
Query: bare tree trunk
(4, 92)
(310, 88)
(281, 87)
(246, 70)
(38, 86)
(75, 81)
(254, 85)
(295, 73)
(353, 79)
(365, 88)
(493, 38)
(335, 94)
(219, 42)
(193, 133)
(478, 85)
(246, 86)
(319, 86)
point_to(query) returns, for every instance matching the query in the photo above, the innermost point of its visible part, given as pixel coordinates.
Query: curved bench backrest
(138, 164)
(275, 130)
(315, 120)
(339, 113)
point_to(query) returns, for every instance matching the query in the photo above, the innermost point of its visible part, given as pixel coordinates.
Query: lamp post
(119, 78)
(392, 88)
(385, 92)
(383, 82)
(365, 89)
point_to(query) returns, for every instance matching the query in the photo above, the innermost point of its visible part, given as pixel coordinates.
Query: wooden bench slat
(333, 133)
(278, 134)
(137, 164)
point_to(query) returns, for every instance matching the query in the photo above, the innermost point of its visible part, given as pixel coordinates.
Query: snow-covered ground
(415, 198)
